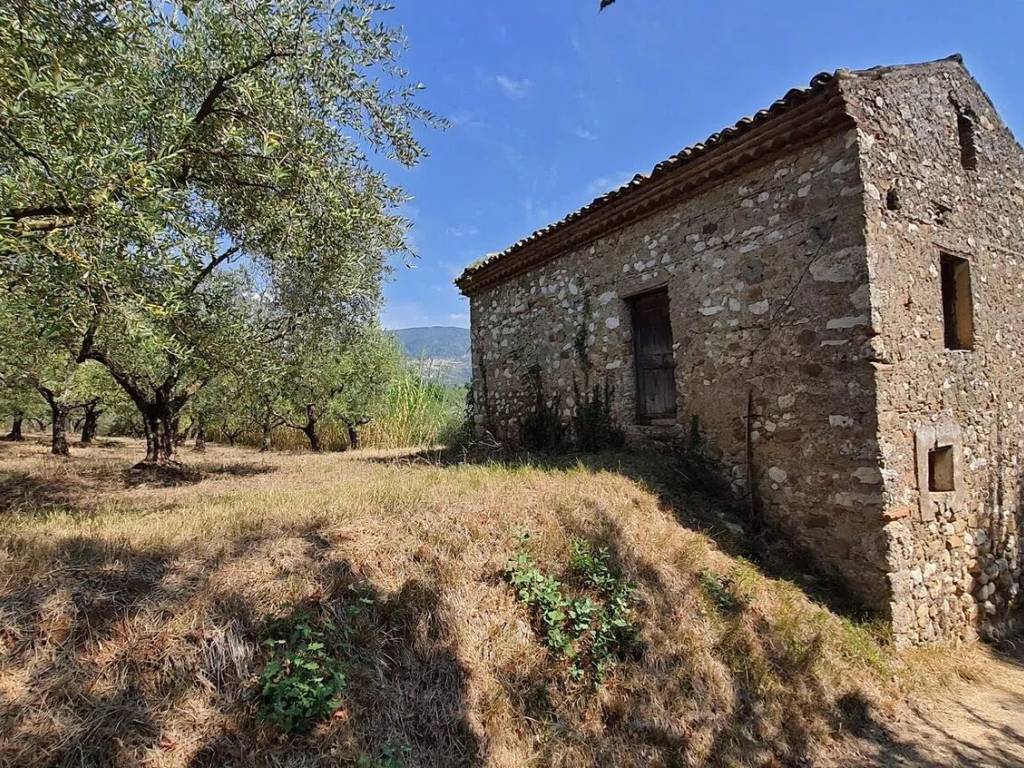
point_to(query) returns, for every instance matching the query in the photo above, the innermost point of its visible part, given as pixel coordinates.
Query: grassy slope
(130, 618)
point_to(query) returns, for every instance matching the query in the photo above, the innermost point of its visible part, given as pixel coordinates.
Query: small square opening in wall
(940, 469)
(957, 302)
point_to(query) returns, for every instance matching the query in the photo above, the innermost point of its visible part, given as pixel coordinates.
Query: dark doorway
(654, 361)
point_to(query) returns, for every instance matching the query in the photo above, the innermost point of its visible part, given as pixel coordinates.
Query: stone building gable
(955, 562)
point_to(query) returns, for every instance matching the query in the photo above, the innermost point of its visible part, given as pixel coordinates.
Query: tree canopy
(184, 182)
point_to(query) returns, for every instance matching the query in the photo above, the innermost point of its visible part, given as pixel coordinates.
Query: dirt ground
(977, 725)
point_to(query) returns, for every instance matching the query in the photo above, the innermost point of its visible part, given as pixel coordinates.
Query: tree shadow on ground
(84, 490)
(698, 503)
(770, 674)
(22, 491)
(759, 657)
(930, 741)
(189, 474)
(406, 693)
(117, 654)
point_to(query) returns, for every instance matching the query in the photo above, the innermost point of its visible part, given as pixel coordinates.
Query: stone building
(831, 292)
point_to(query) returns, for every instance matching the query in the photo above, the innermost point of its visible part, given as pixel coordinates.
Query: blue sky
(552, 103)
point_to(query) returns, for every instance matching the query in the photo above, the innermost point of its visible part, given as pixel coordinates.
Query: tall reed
(416, 408)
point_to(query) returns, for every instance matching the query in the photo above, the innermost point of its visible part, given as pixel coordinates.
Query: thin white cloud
(514, 89)
(458, 318)
(466, 120)
(463, 230)
(604, 184)
(586, 135)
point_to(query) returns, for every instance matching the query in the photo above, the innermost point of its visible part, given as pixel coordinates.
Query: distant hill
(444, 350)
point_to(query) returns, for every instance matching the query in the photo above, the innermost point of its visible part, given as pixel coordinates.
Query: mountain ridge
(444, 350)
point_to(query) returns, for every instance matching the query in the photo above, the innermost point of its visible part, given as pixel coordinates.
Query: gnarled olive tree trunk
(158, 422)
(268, 420)
(15, 433)
(159, 405)
(309, 427)
(58, 421)
(352, 426)
(90, 422)
(200, 445)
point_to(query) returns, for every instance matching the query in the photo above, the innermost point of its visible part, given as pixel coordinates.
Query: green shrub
(303, 678)
(593, 425)
(415, 409)
(542, 428)
(589, 629)
(459, 433)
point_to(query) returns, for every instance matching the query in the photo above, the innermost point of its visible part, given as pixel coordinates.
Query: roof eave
(800, 118)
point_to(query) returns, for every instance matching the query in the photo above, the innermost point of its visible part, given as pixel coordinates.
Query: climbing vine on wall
(593, 423)
(542, 428)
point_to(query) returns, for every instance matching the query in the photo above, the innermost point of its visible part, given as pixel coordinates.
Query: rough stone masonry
(841, 282)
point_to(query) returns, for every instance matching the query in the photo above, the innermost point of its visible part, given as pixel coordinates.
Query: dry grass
(131, 613)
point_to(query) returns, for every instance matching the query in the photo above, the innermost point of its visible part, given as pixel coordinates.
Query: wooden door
(654, 360)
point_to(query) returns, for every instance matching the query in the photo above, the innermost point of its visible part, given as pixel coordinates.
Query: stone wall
(814, 285)
(768, 287)
(954, 556)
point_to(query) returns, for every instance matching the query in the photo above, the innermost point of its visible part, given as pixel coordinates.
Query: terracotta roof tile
(793, 98)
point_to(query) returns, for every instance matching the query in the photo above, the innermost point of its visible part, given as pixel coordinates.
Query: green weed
(303, 679)
(591, 628)
(392, 757)
(593, 424)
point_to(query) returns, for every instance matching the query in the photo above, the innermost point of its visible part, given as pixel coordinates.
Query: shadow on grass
(759, 657)
(112, 654)
(25, 492)
(889, 744)
(121, 654)
(705, 509)
(189, 474)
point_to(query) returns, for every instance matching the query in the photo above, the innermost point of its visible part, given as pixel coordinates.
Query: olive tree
(30, 361)
(162, 163)
(225, 406)
(18, 402)
(362, 376)
(336, 378)
(98, 394)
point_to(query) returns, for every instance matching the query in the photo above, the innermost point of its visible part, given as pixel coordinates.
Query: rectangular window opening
(940, 469)
(957, 303)
(968, 148)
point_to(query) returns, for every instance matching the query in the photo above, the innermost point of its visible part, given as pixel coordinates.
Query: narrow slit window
(965, 132)
(957, 304)
(940, 469)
